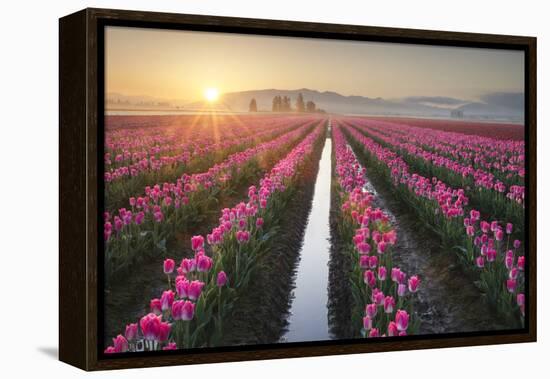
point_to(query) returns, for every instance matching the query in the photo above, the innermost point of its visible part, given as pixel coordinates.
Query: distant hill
(330, 101)
(490, 107)
(496, 106)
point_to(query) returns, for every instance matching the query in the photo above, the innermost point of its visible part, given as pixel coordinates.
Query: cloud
(515, 100)
(441, 100)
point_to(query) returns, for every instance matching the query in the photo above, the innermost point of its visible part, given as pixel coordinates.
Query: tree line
(283, 104)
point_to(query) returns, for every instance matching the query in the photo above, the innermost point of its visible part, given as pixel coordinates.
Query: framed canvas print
(238, 189)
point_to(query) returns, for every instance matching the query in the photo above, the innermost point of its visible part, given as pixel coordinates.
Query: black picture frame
(81, 102)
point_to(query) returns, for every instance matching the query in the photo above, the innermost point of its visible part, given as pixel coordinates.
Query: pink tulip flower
(390, 237)
(401, 290)
(491, 255)
(131, 331)
(511, 285)
(392, 329)
(402, 320)
(369, 278)
(259, 222)
(221, 279)
(177, 309)
(382, 272)
(182, 288)
(513, 274)
(364, 261)
(389, 304)
(156, 306)
(517, 244)
(480, 262)
(377, 297)
(509, 228)
(120, 344)
(169, 266)
(363, 248)
(188, 311)
(395, 274)
(370, 310)
(197, 242)
(367, 323)
(373, 261)
(414, 282)
(509, 262)
(521, 263)
(164, 331)
(166, 300)
(242, 236)
(204, 263)
(382, 247)
(195, 289)
(520, 299)
(109, 350)
(150, 326)
(374, 333)
(188, 265)
(170, 346)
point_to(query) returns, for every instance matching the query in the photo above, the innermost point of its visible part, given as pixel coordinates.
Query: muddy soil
(448, 300)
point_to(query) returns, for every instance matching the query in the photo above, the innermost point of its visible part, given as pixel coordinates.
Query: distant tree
(310, 106)
(300, 106)
(276, 104)
(286, 104)
(253, 107)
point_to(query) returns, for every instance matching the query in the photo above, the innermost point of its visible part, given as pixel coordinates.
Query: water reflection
(308, 319)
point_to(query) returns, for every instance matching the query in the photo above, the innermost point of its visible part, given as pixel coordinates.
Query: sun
(211, 94)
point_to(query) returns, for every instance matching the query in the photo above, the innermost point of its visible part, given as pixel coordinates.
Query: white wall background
(29, 175)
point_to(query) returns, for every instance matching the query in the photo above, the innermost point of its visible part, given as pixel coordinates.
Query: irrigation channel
(308, 320)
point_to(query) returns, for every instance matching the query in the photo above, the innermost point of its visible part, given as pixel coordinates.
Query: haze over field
(160, 69)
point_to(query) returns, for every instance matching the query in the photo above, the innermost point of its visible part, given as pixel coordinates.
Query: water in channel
(308, 320)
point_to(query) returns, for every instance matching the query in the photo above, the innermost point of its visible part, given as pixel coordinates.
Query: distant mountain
(498, 105)
(331, 102)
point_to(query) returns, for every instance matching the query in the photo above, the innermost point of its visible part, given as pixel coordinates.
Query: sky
(170, 65)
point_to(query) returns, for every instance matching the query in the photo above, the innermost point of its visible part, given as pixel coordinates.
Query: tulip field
(204, 219)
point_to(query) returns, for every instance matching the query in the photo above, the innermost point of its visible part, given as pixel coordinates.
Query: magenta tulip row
(159, 199)
(483, 240)
(481, 178)
(499, 156)
(198, 277)
(168, 135)
(131, 164)
(373, 239)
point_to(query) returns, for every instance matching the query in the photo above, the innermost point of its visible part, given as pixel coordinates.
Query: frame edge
(72, 191)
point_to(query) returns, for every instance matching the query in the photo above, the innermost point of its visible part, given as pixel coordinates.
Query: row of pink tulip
(376, 282)
(167, 326)
(155, 217)
(160, 198)
(131, 164)
(481, 178)
(242, 223)
(201, 287)
(163, 134)
(434, 197)
(504, 158)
